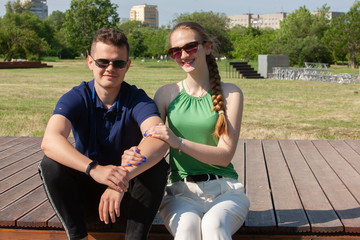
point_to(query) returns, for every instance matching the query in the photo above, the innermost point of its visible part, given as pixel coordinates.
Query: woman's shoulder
(230, 88)
(167, 92)
(168, 87)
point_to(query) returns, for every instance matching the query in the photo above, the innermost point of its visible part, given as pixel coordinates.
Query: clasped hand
(115, 177)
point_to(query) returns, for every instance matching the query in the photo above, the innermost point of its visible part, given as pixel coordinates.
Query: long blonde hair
(214, 77)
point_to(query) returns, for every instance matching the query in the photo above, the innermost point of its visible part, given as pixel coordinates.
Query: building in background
(147, 14)
(39, 7)
(268, 20)
(330, 15)
(258, 20)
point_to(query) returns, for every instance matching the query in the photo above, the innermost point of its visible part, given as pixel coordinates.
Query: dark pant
(75, 198)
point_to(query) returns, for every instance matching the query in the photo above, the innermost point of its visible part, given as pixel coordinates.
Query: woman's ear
(208, 47)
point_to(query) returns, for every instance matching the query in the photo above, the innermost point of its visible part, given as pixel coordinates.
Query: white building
(258, 20)
(147, 14)
(39, 7)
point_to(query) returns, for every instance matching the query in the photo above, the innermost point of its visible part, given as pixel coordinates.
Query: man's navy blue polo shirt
(116, 129)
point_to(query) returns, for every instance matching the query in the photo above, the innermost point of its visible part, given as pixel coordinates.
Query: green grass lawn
(273, 109)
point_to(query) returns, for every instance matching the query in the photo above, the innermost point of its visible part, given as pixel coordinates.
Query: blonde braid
(217, 97)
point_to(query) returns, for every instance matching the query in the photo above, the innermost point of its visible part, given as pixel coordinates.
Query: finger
(105, 211)
(112, 212)
(117, 208)
(101, 205)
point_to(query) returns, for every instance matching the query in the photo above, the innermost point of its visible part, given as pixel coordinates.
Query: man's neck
(107, 96)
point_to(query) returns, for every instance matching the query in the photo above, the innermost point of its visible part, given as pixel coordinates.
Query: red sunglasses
(190, 48)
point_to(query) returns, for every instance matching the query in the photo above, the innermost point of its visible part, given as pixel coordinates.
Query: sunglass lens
(119, 64)
(102, 63)
(191, 46)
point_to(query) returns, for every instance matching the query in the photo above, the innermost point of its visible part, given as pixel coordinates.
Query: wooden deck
(297, 189)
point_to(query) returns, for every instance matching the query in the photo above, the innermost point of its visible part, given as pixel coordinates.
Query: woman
(203, 199)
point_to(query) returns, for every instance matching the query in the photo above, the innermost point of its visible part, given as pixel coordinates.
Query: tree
(85, 18)
(352, 30)
(300, 37)
(250, 42)
(335, 38)
(22, 34)
(136, 42)
(216, 25)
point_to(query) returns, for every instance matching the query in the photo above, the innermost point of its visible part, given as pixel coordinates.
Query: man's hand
(110, 205)
(115, 177)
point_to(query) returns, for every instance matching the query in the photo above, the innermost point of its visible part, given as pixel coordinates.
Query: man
(107, 116)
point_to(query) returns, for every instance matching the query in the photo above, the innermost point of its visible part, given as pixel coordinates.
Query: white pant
(205, 210)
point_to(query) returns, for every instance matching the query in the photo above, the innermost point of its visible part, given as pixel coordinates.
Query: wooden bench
(297, 189)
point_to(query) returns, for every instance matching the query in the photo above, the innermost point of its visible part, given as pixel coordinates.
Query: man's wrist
(90, 166)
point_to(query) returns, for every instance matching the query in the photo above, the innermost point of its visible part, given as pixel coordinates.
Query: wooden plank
(21, 234)
(348, 175)
(18, 177)
(239, 161)
(321, 215)
(38, 217)
(8, 156)
(347, 153)
(261, 215)
(354, 144)
(13, 212)
(345, 205)
(20, 164)
(6, 139)
(19, 191)
(54, 222)
(15, 141)
(289, 211)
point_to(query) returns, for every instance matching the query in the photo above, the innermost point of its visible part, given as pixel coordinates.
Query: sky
(168, 9)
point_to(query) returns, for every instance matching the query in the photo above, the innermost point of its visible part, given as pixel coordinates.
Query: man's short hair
(110, 36)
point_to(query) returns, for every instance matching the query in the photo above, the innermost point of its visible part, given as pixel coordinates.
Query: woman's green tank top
(191, 118)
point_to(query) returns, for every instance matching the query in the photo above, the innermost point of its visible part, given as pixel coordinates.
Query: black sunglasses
(104, 63)
(190, 48)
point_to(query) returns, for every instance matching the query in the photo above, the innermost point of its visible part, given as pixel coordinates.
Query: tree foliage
(23, 34)
(84, 18)
(250, 42)
(216, 25)
(343, 36)
(300, 37)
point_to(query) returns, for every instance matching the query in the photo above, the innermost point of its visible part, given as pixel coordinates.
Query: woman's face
(189, 59)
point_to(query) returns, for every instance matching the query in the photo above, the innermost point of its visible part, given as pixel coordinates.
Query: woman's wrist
(180, 145)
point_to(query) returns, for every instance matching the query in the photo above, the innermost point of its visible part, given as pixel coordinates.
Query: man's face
(108, 77)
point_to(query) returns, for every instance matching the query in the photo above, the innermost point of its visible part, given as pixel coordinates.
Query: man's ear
(90, 62)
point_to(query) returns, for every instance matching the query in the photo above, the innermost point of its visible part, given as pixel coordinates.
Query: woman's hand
(110, 205)
(164, 133)
(112, 176)
(131, 157)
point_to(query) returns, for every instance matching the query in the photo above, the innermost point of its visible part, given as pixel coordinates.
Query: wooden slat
(33, 155)
(37, 218)
(19, 191)
(15, 141)
(355, 145)
(261, 215)
(290, 214)
(13, 212)
(6, 139)
(18, 177)
(239, 160)
(321, 215)
(347, 153)
(9, 156)
(348, 175)
(345, 205)
(54, 222)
